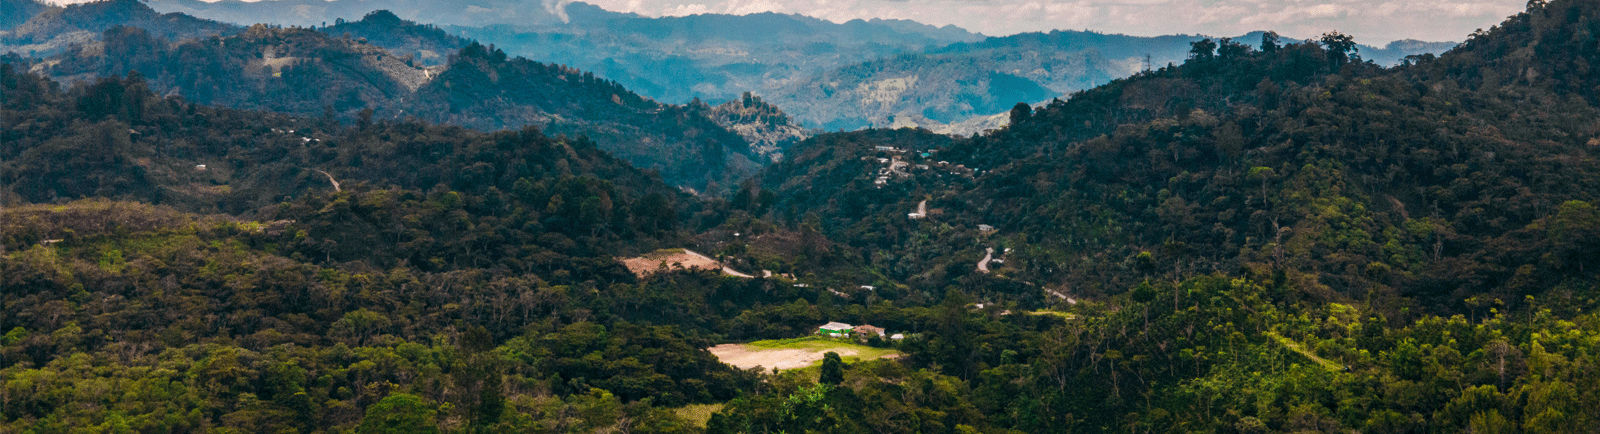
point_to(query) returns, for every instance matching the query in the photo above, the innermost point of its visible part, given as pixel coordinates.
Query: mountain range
(1270, 235)
(318, 73)
(36, 29)
(827, 75)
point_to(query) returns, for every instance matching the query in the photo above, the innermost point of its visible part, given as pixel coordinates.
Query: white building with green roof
(834, 329)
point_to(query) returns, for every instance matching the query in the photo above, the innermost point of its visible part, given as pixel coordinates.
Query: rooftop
(835, 326)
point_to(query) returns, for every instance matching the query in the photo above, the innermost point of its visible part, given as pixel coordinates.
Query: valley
(550, 217)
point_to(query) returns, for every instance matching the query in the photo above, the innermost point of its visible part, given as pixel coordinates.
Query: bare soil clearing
(675, 259)
(745, 358)
(795, 353)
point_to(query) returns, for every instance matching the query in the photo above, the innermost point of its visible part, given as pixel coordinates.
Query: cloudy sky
(1371, 21)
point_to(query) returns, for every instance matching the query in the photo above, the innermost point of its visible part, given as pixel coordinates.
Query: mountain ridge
(1272, 237)
(309, 73)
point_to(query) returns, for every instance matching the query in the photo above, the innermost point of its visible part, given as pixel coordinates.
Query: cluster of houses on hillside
(896, 166)
(841, 330)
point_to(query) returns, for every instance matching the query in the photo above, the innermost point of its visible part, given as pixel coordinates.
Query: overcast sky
(1371, 21)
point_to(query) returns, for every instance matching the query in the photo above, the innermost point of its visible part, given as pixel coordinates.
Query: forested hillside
(768, 129)
(425, 44)
(941, 87)
(1401, 246)
(46, 30)
(1417, 181)
(14, 12)
(712, 57)
(310, 73)
(356, 262)
(1269, 237)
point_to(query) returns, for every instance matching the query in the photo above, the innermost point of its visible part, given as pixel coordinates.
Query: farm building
(869, 331)
(834, 329)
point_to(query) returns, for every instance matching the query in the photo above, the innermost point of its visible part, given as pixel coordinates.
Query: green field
(697, 414)
(1054, 313)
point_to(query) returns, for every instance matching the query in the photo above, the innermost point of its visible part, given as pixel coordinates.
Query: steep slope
(116, 139)
(389, 249)
(1422, 185)
(14, 12)
(945, 89)
(309, 73)
(676, 59)
(297, 71)
(711, 57)
(54, 30)
(484, 89)
(768, 129)
(427, 45)
(939, 88)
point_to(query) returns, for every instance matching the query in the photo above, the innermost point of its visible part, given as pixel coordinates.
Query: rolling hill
(311, 73)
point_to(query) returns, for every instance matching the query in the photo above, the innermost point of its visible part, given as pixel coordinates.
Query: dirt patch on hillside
(744, 357)
(674, 259)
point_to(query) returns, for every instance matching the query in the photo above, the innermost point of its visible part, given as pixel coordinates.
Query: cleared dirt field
(794, 353)
(674, 259)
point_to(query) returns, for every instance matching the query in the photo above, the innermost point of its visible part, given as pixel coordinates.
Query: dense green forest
(1273, 239)
(418, 72)
(39, 29)
(427, 45)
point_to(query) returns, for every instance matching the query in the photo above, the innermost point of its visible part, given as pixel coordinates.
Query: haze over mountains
(821, 75)
(826, 75)
(37, 29)
(311, 73)
(380, 226)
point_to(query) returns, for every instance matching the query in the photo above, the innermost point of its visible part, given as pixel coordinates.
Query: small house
(986, 228)
(867, 331)
(897, 336)
(834, 329)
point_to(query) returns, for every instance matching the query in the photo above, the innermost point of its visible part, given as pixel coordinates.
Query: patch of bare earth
(744, 357)
(674, 259)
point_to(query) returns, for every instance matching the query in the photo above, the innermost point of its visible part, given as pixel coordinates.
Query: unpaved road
(988, 255)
